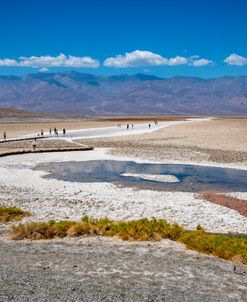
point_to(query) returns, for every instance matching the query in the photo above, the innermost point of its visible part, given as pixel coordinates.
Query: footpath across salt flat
(118, 131)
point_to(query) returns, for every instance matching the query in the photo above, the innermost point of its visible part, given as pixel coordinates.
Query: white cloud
(140, 58)
(72, 61)
(50, 61)
(177, 61)
(7, 62)
(201, 62)
(136, 58)
(59, 61)
(235, 59)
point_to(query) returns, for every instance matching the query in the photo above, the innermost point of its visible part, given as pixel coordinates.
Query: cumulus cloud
(235, 59)
(136, 58)
(52, 61)
(58, 61)
(177, 61)
(201, 62)
(7, 62)
(140, 58)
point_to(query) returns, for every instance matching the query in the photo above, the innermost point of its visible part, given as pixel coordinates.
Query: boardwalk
(23, 146)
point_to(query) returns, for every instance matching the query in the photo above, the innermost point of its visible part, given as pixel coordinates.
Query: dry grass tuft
(220, 245)
(12, 214)
(223, 246)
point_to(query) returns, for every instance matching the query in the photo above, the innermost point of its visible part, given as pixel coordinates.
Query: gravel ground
(106, 269)
(40, 143)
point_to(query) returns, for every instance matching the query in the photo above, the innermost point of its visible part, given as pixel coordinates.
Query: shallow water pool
(188, 178)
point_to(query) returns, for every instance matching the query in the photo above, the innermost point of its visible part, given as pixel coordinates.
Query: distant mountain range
(87, 94)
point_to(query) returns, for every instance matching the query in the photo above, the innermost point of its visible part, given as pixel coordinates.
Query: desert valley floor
(108, 269)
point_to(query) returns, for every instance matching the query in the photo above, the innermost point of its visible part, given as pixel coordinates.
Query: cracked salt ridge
(58, 199)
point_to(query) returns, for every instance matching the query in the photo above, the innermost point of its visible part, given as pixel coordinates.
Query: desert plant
(143, 229)
(12, 214)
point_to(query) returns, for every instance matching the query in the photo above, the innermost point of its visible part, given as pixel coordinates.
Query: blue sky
(166, 38)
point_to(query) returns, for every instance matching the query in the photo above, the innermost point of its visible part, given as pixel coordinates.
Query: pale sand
(20, 127)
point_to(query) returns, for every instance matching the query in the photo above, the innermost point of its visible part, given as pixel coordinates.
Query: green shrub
(143, 229)
(12, 214)
(216, 244)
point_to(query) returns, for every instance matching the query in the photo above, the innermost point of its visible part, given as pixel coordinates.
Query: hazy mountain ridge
(88, 94)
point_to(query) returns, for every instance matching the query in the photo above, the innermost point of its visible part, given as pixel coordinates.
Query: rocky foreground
(103, 269)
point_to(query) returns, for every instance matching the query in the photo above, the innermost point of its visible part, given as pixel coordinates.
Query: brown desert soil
(233, 203)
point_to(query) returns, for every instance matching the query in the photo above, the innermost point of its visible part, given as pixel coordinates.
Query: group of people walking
(54, 131)
(128, 126)
(132, 125)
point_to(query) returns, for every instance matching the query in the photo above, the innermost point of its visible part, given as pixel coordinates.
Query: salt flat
(51, 198)
(95, 268)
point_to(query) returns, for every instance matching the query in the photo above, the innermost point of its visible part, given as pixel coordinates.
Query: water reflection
(192, 178)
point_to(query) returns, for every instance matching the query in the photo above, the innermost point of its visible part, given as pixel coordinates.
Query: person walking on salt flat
(34, 144)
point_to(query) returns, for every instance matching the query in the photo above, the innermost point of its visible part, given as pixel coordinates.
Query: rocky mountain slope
(88, 94)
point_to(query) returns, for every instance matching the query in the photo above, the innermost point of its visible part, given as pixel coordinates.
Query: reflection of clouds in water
(110, 166)
(192, 178)
(154, 177)
(105, 166)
